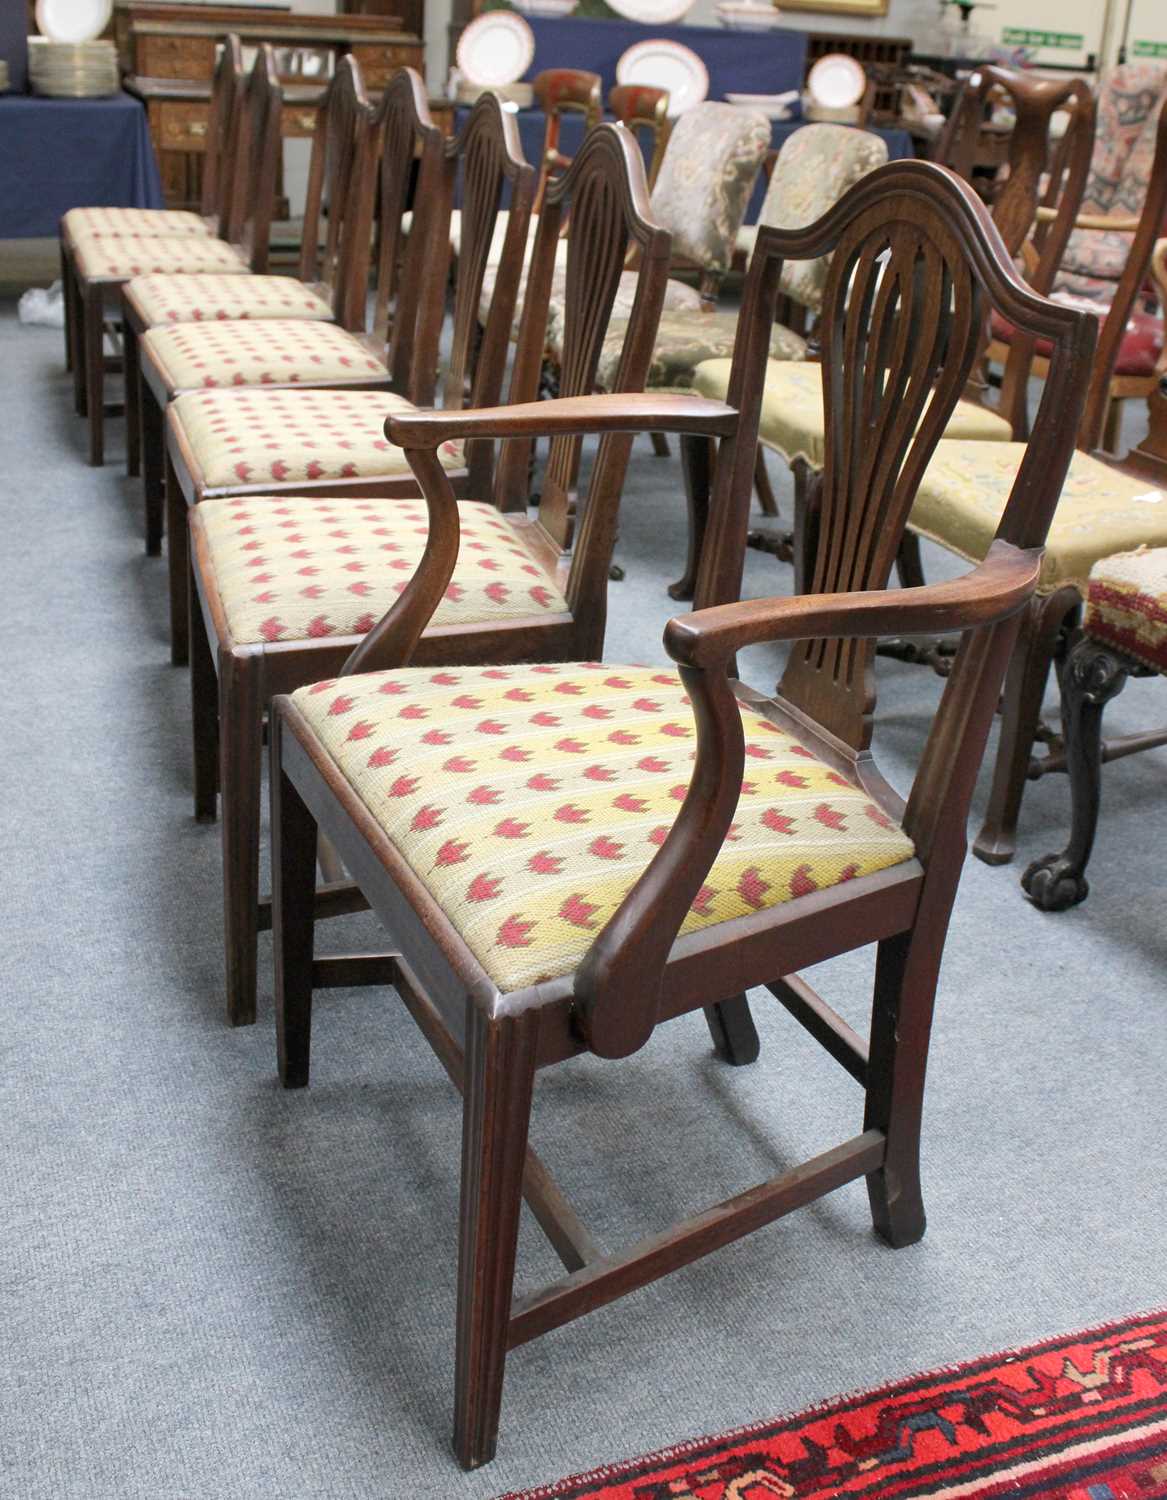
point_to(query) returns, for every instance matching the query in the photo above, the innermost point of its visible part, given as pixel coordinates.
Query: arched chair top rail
(616, 140)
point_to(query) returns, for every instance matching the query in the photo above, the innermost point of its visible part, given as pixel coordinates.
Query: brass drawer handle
(306, 122)
(197, 127)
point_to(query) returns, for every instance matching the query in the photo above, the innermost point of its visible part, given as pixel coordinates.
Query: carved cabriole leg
(698, 455)
(133, 381)
(178, 565)
(735, 1037)
(293, 873)
(240, 771)
(901, 1024)
(765, 490)
(1041, 626)
(204, 703)
(1092, 676)
(94, 345)
(153, 435)
(500, 1078)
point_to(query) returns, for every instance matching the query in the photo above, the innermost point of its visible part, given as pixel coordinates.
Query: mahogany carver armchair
(323, 288)
(285, 587)
(594, 849)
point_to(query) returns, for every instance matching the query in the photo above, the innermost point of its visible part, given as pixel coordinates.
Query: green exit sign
(1149, 49)
(1060, 41)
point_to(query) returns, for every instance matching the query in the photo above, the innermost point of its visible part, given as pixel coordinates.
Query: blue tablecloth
(57, 154)
(753, 62)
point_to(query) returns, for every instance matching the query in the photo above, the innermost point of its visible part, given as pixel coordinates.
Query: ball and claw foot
(1053, 884)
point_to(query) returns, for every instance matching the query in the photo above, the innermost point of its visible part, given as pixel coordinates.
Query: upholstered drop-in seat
(270, 351)
(1139, 350)
(123, 256)
(208, 298)
(162, 221)
(683, 342)
(792, 411)
(678, 297)
(962, 495)
(1126, 605)
(296, 568)
(528, 800)
(253, 436)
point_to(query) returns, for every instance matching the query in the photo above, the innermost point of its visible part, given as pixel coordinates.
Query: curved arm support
(631, 411)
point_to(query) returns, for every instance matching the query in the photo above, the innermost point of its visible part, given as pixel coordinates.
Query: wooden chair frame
(643, 108)
(638, 972)
(232, 684)
(336, 271)
(88, 299)
(411, 273)
(560, 91)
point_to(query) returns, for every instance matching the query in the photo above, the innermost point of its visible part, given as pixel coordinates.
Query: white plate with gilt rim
(836, 81)
(652, 12)
(664, 64)
(495, 49)
(72, 20)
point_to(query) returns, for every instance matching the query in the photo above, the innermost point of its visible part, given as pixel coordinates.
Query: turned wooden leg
(1092, 676)
(204, 702)
(660, 444)
(293, 875)
(901, 1025)
(500, 1077)
(178, 561)
(735, 1037)
(1041, 627)
(153, 438)
(240, 773)
(698, 455)
(94, 344)
(133, 379)
(762, 486)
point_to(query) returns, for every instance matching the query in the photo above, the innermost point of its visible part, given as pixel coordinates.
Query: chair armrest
(1118, 225)
(635, 411)
(996, 589)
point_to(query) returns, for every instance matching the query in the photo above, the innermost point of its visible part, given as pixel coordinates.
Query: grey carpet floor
(215, 1289)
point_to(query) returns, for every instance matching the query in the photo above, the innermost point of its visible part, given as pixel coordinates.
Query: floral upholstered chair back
(814, 169)
(1124, 148)
(714, 154)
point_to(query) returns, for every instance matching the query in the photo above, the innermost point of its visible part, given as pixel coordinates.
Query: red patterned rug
(1082, 1417)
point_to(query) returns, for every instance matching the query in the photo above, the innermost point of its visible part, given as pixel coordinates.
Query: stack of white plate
(773, 106)
(748, 15)
(72, 70)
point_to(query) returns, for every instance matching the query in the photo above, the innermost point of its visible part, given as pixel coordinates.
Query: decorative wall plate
(666, 65)
(72, 20)
(836, 81)
(496, 48)
(652, 12)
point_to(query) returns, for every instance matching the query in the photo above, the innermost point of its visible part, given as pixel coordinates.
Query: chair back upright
(488, 155)
(559, 92)
(227, 88)
(607, 195)
(916, 265)
(259, 144)
(714, 154)
(409, 301)
(645, 111)
(1042, 172)
(341, 181)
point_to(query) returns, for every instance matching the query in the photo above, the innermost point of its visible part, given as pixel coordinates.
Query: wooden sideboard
(168, 52)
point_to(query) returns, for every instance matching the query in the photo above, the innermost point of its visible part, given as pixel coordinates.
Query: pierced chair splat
(691, 879)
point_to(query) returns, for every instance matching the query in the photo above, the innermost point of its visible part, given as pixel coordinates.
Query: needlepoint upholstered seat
(529, 800)
(269, 351)
(296, 568)
(164, 300)
(245, 437)
(102, 221)
(1126, 605)
(685, 340)
(126, 255)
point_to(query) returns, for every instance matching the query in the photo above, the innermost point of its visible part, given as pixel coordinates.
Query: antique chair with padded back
(580, 859)
(217, 181)
(285, 588)
(264, 441)
(102, 263)
(1091, 272)
(1124, 634)
(318, 291)
(1104, 509)
(792, 409)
